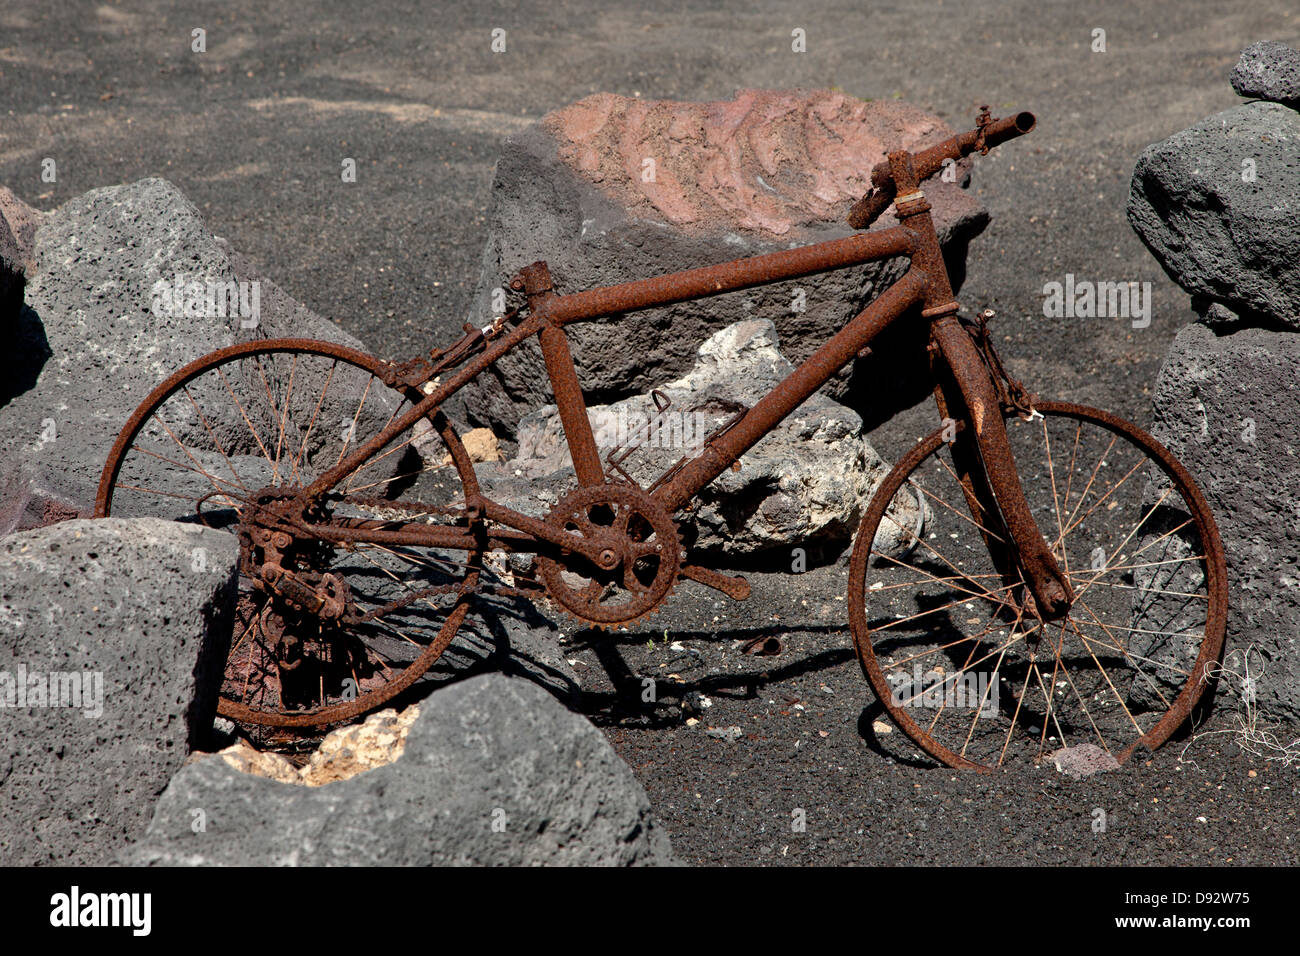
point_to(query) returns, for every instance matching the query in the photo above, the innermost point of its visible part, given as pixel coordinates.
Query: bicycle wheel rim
(294, 355)
(915, 717)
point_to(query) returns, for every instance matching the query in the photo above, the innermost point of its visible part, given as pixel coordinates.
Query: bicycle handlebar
(930, 161)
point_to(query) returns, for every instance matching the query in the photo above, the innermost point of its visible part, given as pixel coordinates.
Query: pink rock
(613, 189)
(768, 161)
(23, 221)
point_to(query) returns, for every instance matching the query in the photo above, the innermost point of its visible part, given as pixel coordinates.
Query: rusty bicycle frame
(965, 389)
(299, 606)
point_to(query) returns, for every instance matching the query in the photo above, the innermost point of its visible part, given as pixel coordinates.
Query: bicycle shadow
(622, 705)
(501, 636)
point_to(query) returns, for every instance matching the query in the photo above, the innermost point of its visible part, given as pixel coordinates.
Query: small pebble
(725, 733)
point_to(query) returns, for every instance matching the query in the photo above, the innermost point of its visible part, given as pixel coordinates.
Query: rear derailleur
(305, 609)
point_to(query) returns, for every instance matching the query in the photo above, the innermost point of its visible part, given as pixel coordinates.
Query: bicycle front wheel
(953, 646)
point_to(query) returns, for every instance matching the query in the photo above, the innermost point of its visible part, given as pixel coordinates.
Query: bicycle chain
(533, 587)
(420, 508)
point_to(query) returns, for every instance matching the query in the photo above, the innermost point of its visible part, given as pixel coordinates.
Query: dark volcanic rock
(12, 279)
(1229, 408)
(22, 221)
(494, 772)
(1269, 70)
(612, 189)
(124, 625)
(93, 342)
(18, 222)
(1218, 204)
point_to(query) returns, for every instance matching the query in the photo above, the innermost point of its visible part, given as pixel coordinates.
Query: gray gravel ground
(869, 796)
(254, 131)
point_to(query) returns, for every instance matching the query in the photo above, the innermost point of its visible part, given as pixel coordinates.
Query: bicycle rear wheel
(258, 422)
(954, 649)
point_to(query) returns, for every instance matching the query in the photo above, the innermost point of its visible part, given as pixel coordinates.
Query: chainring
(639, 563)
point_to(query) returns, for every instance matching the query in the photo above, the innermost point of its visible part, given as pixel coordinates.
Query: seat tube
(537, 285)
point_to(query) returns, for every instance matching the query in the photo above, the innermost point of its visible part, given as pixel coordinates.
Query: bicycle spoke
(1117, 655)
(311, 423)
(243, 431)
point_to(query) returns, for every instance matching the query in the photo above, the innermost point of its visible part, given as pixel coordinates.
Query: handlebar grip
(929, 161)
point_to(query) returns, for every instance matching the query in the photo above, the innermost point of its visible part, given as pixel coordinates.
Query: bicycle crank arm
(736, 588)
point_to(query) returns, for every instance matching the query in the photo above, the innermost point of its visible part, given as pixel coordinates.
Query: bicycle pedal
(736, 588)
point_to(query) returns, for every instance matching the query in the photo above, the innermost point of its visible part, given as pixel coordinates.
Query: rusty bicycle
(1033, 574)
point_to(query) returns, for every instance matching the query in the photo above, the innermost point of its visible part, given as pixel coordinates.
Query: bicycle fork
(984, 463)
(987, 473)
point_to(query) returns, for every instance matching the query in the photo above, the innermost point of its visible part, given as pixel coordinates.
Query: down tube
(793, 390)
